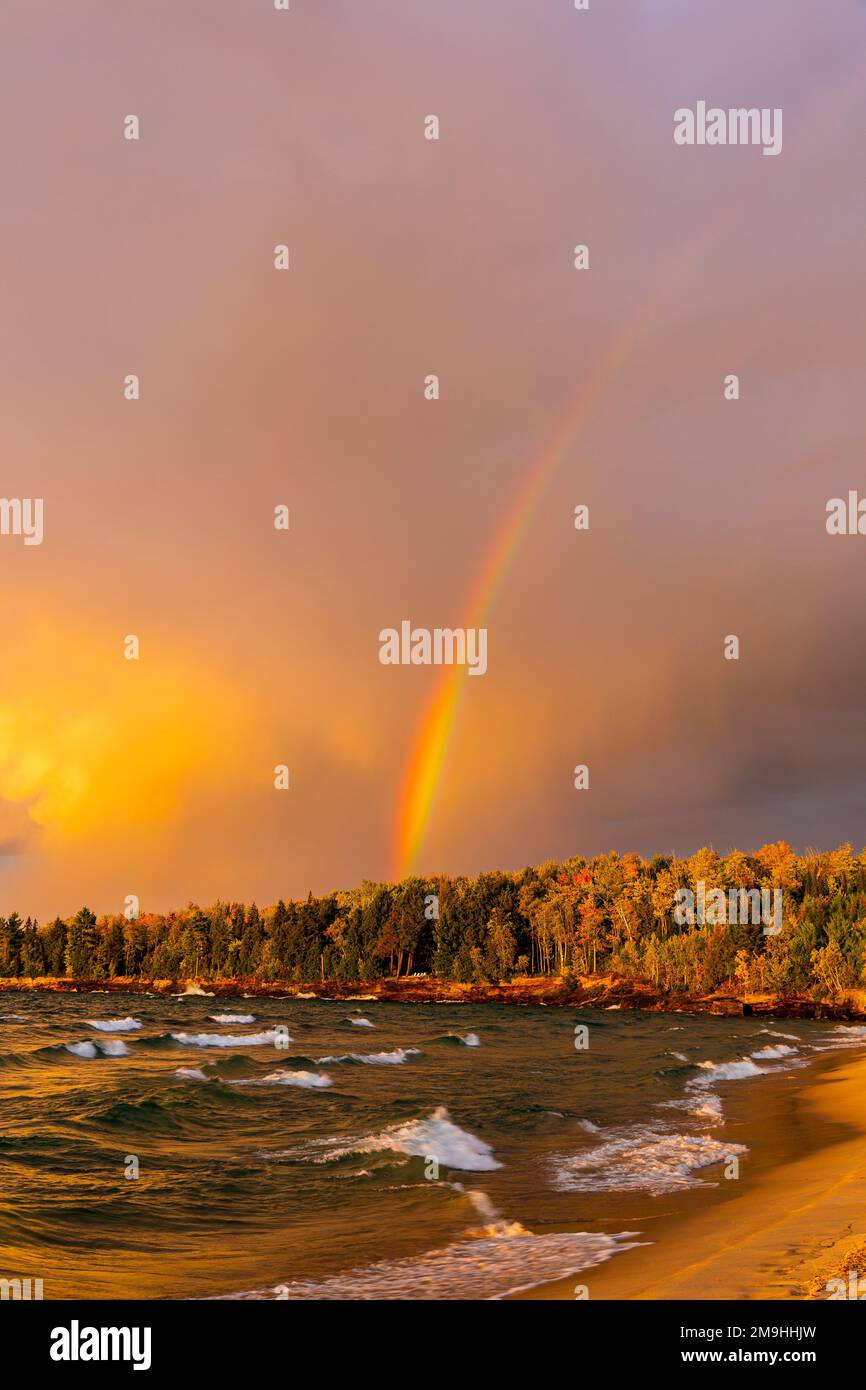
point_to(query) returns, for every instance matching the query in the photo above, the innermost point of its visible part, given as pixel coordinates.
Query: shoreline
(593, 992)
(793, 1225)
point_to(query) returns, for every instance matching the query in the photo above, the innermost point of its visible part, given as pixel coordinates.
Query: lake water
(388, 1151)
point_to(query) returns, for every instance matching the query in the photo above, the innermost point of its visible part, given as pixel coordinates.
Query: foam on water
(310, 1080)
(361, 1022)
(374, 1059)
(109, 1047)
(644, 1160)
(230, 1040)
(726, 1071)
(844, 1035)
(232, 1018)
(192, 1074)
(436, 1137)
(114, 1025)
(702, 1106)
(766, 1054)
(487, 1268)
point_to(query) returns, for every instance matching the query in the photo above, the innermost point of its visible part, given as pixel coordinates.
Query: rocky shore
(598, 992)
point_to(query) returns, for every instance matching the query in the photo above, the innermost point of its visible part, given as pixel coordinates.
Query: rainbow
(423, 774)
(426, 763)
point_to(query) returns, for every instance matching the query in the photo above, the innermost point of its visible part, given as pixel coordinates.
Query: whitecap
(374, 1059)
(109, 1047)
(308, 1079)
(114, 1025)
(726, 1071)
(228, 1040)
(488, 1268)
(703, 1106)
(642, 1160)
(436, 1136)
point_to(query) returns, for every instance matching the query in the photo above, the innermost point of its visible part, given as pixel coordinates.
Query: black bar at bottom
(257, 1341)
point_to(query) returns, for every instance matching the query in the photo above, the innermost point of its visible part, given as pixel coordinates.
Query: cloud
(92, 742)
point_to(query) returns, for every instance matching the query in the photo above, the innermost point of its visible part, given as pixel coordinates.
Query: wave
(726, 1071)
(489, 1268)
(642, 1160)
(458, 1039)
(314, 1080)
(192, 1074)
(232, 1018)
(703, 1106)
(745, 1067)
(436, 1137)
(114, 1025)
(109, 1047)
(230, 1040)
(844, 1035)
(374, 1059)
(360, 1022)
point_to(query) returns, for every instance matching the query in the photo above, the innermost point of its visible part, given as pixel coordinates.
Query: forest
(611, 915)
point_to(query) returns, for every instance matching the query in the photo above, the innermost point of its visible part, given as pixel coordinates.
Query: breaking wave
(231, 1040)
(114, 1025)
(374, 1059)
(643, 1160)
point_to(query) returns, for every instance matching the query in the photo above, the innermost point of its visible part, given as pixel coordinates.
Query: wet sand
(787, 1224)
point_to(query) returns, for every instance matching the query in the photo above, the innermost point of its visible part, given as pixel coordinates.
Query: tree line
(612, 914)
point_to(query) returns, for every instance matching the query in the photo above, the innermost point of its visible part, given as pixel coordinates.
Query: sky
(305, 388)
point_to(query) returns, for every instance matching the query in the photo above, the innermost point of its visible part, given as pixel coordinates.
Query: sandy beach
(791, 1221)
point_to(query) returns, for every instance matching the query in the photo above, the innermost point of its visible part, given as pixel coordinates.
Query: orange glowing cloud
(90, 741)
